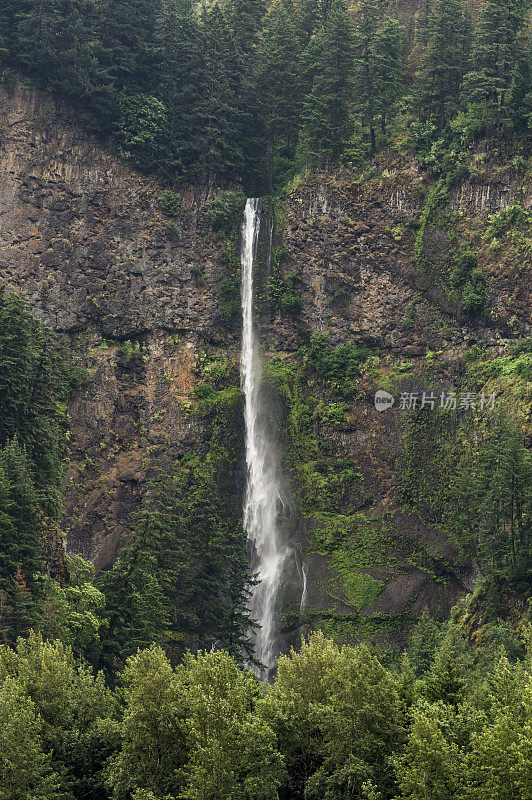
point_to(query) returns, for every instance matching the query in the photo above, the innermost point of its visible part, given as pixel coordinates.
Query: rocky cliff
(84, 239)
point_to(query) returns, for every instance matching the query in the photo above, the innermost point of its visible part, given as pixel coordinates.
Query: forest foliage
(447, 721)
(100, 694)
(242, 91)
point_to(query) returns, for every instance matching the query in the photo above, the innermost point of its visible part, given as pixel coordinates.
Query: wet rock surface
(82, 237)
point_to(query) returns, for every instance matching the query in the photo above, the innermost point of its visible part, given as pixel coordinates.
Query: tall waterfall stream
(263, 498)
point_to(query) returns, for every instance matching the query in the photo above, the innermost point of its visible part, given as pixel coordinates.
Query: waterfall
(263, 497)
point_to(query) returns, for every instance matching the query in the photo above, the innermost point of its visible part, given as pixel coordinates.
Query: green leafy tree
(432, 763)
(152, 730)
(233, 752)
(520, 99)
(141, 130)
(74, 613)
(497, 764)
(135, 612)
(70, 702)
(338, 716)
(25, 768)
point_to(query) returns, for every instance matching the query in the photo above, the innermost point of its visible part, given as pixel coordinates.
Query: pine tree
(182, 579)
(245, 17)
(179, 71)
(35, 380)
(520, 99)
(134, 607)
(447, 678)
(505, 481)
(21, 549)
(325, 117)
(127, 34)
(220, 106)
(56, 42)
(444, 62)
(366, 72)
(496, 48)
(279, 85)
(21, 557)
(389, 53)
(8, 28)
(309, 19)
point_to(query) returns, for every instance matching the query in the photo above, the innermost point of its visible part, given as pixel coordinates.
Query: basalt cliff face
(83, 238)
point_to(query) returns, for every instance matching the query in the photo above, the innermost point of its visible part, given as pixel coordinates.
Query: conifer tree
(325, 116)
(8, 29)
(21, 557)
(179, 71)
(366, 68)
(520, 100)
(505, 486)
(279, 85)
(21, 547)
(134, 607)
(245, 17)
(309, 19)
(444, 61)
(389, 52)
(219, 110)
(35, 379)
(495, 52)
(57, 44)
(127, 35)
(182, 578)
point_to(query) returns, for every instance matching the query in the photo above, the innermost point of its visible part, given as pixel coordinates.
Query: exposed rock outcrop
(84, 239)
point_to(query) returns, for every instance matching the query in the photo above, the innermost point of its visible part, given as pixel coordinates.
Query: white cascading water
(263, 492)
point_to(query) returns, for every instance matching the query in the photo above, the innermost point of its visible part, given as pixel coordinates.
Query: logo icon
(383, 400)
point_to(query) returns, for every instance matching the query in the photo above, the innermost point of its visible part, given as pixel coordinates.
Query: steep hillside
(149, 302)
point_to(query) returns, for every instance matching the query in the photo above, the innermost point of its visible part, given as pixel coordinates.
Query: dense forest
(139, 683)
(232, 91)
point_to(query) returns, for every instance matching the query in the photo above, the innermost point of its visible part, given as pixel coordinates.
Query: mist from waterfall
(263, 497)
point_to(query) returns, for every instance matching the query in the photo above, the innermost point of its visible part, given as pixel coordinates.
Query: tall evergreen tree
(245, 18)
(56, 43)
(35, 380)
(495, 52)
(505, 489)
(325, 117)
(366, 73)
(389, 54)
(220, 107)
(179, 72)
(21, 557)
(127, 33)
(182, 578)
(520, 100)
(445, 60)
(309, 18)
(279, 85)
